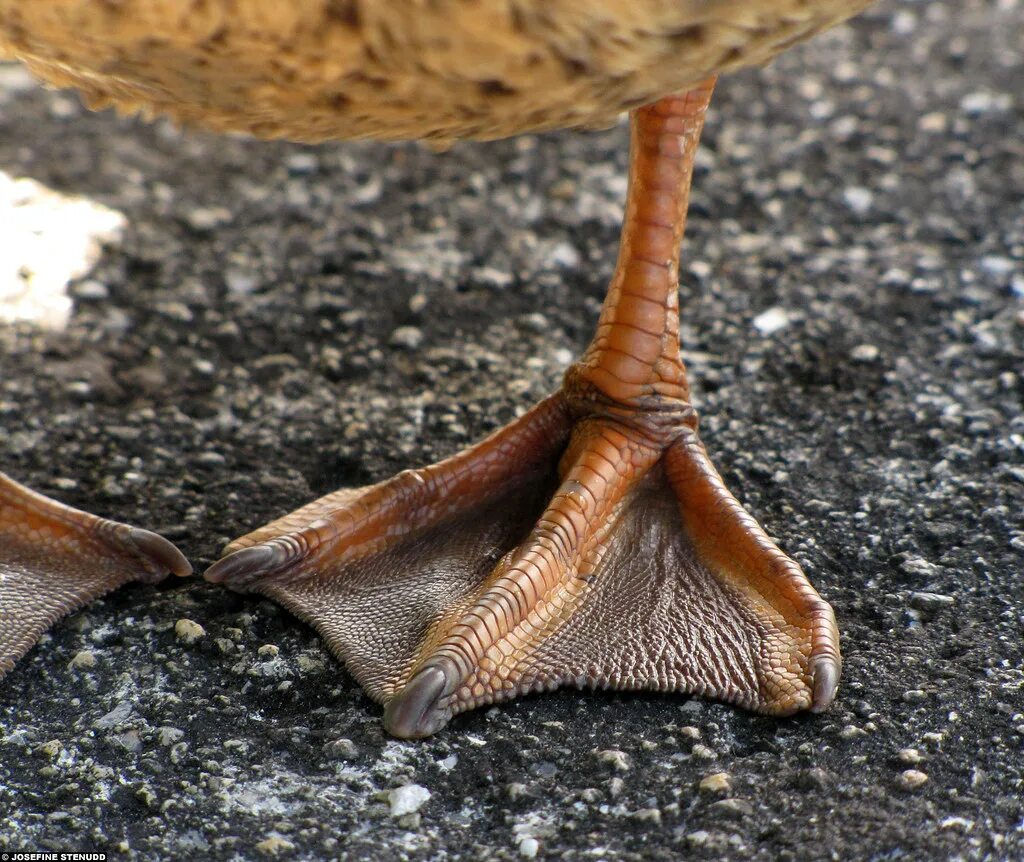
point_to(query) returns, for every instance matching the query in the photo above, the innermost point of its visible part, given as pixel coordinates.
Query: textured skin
(436, 69)
(54, 560)
(376, 572)
(589, 543)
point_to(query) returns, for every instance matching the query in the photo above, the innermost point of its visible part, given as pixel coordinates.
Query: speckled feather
(312, 70)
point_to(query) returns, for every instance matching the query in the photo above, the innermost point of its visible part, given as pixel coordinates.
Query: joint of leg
(660, 417)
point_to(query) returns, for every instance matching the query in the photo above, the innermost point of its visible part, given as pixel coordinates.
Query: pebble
(189, 631)
(930, 602)
(268, 651)
(771, 321)
(407, 799)
(909, 756)
(274, 845)
(169, 735)
(858, 199)
(702, 752)
(516, 790)
(733, 808)
(84, 660)
(406, 337)
(618, 760)
(528, 848)
(911, 779)
(344, 749)
(718, 782)
(91, 289)
(864, 353)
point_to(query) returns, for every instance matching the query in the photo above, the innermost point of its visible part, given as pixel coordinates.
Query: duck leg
(55, 559)
(589, 543)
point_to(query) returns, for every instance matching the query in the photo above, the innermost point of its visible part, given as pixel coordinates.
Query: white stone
(407, 799)
(771, 321)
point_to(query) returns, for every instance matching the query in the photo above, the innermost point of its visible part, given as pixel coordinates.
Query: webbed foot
(55, 559)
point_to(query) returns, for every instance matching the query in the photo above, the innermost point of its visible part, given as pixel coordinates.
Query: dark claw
(824, 681)
(160, 553)
(241, 568)
(415, 711)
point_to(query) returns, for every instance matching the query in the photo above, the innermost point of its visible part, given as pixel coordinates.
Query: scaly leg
(589, 543)
(55, 559)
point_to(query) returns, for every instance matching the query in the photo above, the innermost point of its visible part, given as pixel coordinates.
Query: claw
(241, 568)
(161, 554)
(416, 712)
(825, 672)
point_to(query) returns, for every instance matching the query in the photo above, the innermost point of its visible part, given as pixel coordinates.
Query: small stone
(148, 797)
(771, 321)
(733, 808)
(914, 695)
(858, 199)
(268, 651)
(919, 566)
(50, 749)
(406, 337)
(563, 190)
(301, 163)
(117, 716)
(169, 735)
(344, 749)
(516, 790)
(274, 845)
(717, 782)
(407, 799)
(91, 289)
(648, 815)
(528, 848)
(702, 752)
(188, 631)
(84, 660)
(618, 760)
(240, 282)
(909, 756)
(864, 353)
(911, 779)
(815, 778)
(537, 323)
(564, 256)
(930, 602)
(207, 218)
(933, 739)
(851, 731)
(689, 732)
(699, 838)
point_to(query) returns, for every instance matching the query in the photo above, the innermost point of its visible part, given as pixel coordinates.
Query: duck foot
(589, 543)
(566, 549)
(55, 559)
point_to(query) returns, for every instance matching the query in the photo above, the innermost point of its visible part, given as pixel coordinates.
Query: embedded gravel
(279, 320)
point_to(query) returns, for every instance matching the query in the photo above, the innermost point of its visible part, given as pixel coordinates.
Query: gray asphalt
(281, 320)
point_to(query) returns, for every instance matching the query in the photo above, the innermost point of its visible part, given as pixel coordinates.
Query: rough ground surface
(280, 320)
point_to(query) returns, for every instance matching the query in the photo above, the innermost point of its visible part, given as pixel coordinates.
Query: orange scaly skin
(55, 559)
(589, 543)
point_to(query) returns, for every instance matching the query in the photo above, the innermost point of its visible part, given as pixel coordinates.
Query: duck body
(313, 70)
